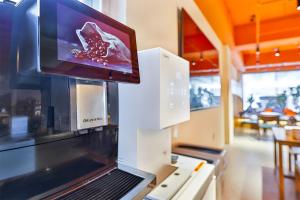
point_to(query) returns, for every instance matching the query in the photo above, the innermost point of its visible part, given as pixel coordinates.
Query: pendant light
(201, 57)
(277, 52)
(13, 2)
(257, 51)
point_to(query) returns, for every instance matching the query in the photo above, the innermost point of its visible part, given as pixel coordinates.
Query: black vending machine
(60, 62)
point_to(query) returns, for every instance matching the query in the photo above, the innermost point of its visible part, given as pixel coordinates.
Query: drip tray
(112, 186)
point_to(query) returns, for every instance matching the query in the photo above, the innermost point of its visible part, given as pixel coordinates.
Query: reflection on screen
(87, 41)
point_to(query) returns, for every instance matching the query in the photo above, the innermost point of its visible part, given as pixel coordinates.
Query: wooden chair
(293, 152)
(297, 177)
(268, 122)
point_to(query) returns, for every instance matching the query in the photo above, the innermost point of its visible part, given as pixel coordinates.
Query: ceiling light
(257, 50)
(277, 52)
(14, 2)
(193, 63)
(201, 57)
(298, 4)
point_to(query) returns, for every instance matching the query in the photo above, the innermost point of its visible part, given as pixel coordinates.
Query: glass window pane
(274, 91)
(204, 92)
(96, 4)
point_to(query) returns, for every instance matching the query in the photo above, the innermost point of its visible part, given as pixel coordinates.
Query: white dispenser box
(149, 110)
(91, 106)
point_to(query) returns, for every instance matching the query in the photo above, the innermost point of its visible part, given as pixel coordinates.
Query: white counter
(201, 185)
(194, 181)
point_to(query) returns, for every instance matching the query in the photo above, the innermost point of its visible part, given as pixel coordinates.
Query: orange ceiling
(270, 30)
(292, 55)
(234, 21)
(278, 27)
(242, 10)
(218, 16)
(202, 55)
(194, 39)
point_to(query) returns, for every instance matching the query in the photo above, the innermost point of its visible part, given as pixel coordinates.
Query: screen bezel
(49, 62)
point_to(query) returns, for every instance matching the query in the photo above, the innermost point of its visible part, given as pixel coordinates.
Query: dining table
(282, 137)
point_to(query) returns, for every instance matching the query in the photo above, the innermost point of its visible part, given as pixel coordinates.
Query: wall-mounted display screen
(79, 41)
(205, 85)
(197, 48)
(205, 92)
(85, 40)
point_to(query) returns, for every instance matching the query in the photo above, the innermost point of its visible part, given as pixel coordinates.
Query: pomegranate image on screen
(99, 46)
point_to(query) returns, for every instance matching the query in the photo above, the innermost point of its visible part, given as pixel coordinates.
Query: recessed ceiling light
(277, 52)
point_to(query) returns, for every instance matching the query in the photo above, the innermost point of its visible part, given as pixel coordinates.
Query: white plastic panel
(211, 191)
(162, 98)
(174, 90)
(154, 149)
(171, 185)
(146, 98)
(149, 109)
(91, 106)
(193, 187)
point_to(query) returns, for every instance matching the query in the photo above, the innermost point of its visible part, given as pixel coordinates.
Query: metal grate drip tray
(111, 186)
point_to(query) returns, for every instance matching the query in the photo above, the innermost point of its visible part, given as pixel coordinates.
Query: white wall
(156, 22)
(203, 129)
(115, 9)
(156, 25)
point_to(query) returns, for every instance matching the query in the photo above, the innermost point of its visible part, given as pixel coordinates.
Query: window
(274, 91)
(96, 4)
(112, 8)
(204, 92)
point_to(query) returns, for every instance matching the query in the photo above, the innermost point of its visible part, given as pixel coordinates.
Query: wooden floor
(249, 174)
